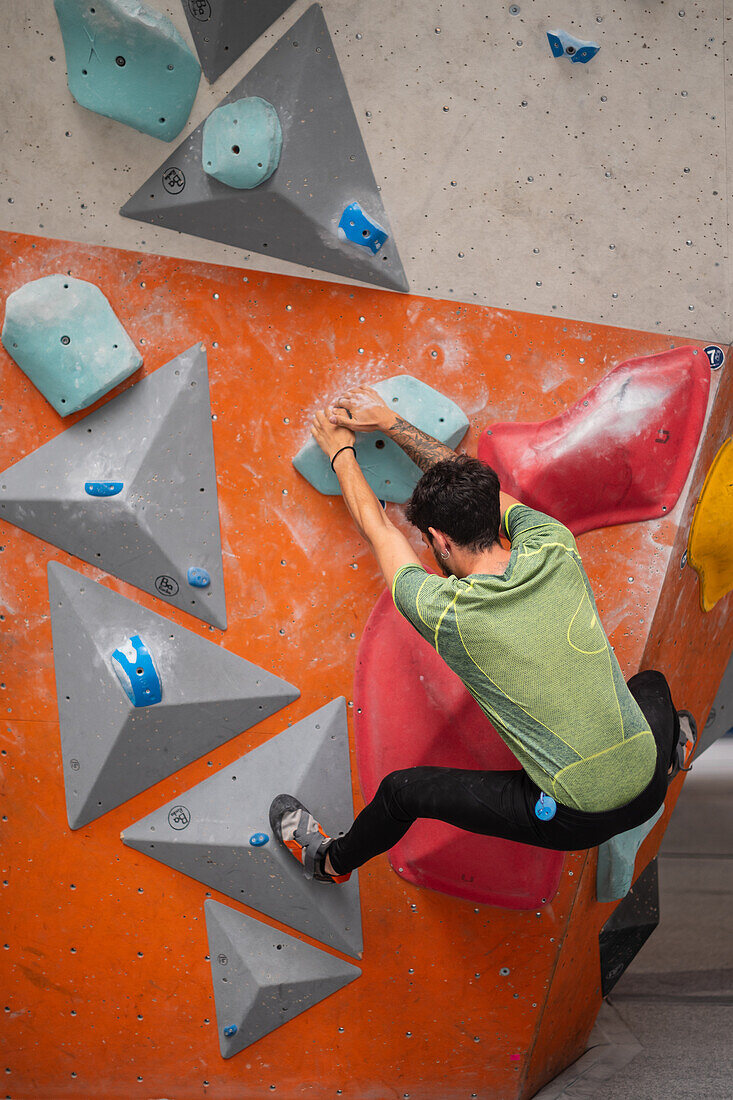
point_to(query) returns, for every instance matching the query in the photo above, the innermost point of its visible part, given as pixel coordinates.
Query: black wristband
(348, 447)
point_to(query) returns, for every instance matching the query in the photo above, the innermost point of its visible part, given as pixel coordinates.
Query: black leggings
(502, 803)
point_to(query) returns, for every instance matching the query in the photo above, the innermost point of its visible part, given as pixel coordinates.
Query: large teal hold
(63, 334)
(128, 62)
(242, 142)
(391, 474)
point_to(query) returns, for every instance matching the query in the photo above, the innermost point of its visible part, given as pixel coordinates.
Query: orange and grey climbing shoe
(684, 750)
(299, 832)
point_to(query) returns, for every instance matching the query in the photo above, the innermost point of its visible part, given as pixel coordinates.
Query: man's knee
(395, 789)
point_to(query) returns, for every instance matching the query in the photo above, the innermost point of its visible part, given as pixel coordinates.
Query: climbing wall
(106, 975)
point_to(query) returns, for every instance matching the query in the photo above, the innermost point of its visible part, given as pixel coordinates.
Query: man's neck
(491, 561)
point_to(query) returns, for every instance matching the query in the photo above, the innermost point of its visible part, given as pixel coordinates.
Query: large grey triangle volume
(223, 29)
(155, 441)
(263, 977)
(206, 832)
(111, 749)
(324, 166)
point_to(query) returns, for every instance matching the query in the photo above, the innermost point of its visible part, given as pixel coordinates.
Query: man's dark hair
(459, 497)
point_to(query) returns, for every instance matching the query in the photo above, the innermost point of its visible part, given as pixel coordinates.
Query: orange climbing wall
(106, 986)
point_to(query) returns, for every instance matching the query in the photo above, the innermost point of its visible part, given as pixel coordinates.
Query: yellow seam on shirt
(585, 652)
(518, 504)
(400, 571)
(447, 609)
(507, 696)
(417, 601)
(595, 755)
(610, 672)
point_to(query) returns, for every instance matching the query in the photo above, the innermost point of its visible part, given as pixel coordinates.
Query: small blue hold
(358, 227)
(135, 669)
(545, 807)
(231, 1030)
(563, 44)
(258, 839)
(198, 578)
(102, 488)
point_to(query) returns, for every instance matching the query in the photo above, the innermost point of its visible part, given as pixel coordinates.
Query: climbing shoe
(684, 750)
(299, 832)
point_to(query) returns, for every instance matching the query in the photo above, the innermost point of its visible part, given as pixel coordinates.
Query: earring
(444, 554)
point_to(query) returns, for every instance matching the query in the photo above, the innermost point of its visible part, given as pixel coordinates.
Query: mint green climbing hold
(242, 142)
(617, 860)
(128, 62)
(387, 469)
(63, 334)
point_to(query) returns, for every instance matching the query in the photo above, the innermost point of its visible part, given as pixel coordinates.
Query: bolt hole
(235, 149)
(65, 340)
(379, 444)
(120, 61)
(365, 232)
(139, 671)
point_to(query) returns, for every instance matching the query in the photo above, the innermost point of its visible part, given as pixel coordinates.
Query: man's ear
(439, 541)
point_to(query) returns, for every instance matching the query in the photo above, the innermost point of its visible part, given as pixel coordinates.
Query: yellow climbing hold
(710, 546)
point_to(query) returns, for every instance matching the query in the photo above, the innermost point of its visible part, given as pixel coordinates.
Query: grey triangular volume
(154, 440)
(207, 831)
(112, 749)
(263, 977)
(324, 167)
(223, 29)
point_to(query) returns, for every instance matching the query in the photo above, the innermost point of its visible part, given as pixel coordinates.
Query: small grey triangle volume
(131, 488)
(317, 203)
(140, 697)
(223, 29)
(263, 977)
(218, 831)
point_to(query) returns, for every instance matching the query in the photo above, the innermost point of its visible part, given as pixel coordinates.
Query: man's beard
(441, 563)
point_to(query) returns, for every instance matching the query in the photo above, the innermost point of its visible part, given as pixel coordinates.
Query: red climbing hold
(430, 718)
(622, 453)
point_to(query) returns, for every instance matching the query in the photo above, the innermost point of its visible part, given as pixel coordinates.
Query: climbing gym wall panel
(107, 988)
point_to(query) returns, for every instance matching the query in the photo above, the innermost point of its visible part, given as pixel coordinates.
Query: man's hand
(329, 437)
(369, 413)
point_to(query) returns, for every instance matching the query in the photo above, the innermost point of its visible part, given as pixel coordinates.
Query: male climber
(520, 628)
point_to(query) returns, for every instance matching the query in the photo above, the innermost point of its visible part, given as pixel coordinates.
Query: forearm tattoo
(421, 448)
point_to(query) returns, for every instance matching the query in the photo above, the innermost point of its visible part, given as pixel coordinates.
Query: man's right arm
(362, 410)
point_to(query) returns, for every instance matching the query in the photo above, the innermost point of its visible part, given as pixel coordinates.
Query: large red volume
(411, 709)
(622, 453)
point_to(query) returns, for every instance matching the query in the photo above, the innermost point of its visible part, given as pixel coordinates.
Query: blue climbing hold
(358, 227)
(563, 44)
(198, 578)
(135, 669)
(258, 839)
(102, 488)
(545, 807)
(230, 1031)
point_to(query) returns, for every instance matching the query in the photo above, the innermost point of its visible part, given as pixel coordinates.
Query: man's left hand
(330, 437)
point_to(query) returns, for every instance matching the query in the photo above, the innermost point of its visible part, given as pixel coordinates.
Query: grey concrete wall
(595, 192)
